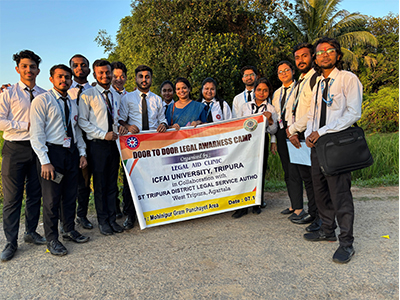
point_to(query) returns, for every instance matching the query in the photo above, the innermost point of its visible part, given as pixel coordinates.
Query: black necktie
(30, 92)
(248, 96)
(79, 93)
(145, 115)
(110, 120)
(283, 108)
(209, 115)
(68, 123)
(298, 87)
(258, 108)
(322, 120)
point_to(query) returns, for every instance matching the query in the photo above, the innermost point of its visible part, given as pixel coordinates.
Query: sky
(58, 29)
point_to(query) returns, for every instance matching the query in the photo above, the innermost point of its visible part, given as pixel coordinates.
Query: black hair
(245, 68)
(285, 62)
(143, 68)
(269, 85)
(26, 54)
(60, 66)
(120, 66)
(80, 56)
(335, 44)
(207, 80)
(101, 63)
(166, 82)
(185, 81)
(303, 45)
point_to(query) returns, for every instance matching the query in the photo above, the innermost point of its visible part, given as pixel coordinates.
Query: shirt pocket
(337, 102)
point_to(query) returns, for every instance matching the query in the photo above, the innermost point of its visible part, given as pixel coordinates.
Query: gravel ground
(256, 257)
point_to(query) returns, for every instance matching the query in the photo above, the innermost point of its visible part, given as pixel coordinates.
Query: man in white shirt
(57, 141)
(141, 110)
(118, 81)
(336, 106)
(98, 117)
(80, 67)
(249, 78)
(19, 160)
(296, 116)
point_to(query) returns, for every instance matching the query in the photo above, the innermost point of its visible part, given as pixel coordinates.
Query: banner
(194, 172)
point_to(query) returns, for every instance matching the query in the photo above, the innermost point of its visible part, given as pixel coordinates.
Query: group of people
(56, 140)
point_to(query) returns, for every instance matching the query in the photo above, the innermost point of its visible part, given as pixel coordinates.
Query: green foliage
(380, 111)
(196, 39)
(380, 65)
(314, 19)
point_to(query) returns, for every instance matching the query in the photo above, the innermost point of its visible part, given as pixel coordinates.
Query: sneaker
(317, 236)
(343, 254)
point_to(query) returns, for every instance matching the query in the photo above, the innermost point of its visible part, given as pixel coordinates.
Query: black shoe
(84, 222)
(343, 254)
(34, 238)
(315, 226)
(119, 215)
(105, 229)
(56, 248)
(75, 236)
(8, 252)
(317, 236)
(128, 224)
(287, 211)
(256, 210)
(307, 218)
(297, 216)
(239, 213)
(116, 228)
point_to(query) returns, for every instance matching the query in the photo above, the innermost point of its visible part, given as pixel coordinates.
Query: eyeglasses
(329, 51)
(284, 71)
(249, 75)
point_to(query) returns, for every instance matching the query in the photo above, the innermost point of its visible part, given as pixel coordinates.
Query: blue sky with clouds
(57, 29)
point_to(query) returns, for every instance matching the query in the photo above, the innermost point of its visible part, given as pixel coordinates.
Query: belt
(22, 143)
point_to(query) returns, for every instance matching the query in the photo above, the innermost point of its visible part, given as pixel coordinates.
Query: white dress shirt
(93, 117)
(347, 92)
(131, 109)
(238, 102)
(123, 93)
(249, 108)
(299, 124)
(47, 125)
(15, 103)
(216, 111)
(74, 89)
(276, 102)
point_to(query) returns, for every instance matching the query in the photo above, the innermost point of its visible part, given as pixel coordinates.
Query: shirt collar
(333, 74)
(308, 74)
(100, 88)
(23, 86)
(58, 95)
(212, 100)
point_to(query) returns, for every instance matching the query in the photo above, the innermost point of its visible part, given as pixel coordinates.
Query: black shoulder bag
(343, 151)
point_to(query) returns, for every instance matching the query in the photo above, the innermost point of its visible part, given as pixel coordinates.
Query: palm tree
(314, 19)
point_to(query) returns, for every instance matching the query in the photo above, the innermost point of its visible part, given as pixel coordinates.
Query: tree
(383, 67)
(196, 39)
(313, 19)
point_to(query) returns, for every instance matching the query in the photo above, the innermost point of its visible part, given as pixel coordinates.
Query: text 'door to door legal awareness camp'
(194, 172)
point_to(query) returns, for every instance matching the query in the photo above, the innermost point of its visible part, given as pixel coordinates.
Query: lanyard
(63, 112)
(110, 109)
(297, 98)
(245, 96)
(287, 98)
(329, 96)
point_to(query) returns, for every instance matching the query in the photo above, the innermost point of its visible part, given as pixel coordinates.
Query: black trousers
(84, 186)
(129, 207)
(60, 197)
(19, 167)
(294, 183)
(104, 158)
(334, 199)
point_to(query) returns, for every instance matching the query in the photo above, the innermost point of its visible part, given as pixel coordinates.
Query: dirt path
(256, 257)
